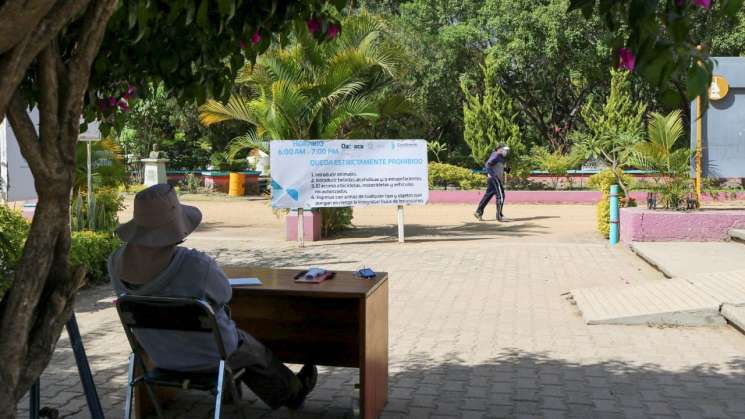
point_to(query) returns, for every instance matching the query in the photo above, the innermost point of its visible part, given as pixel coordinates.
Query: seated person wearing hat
(152, 263)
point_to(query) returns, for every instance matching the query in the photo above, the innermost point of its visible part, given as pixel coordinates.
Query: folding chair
(174, 314)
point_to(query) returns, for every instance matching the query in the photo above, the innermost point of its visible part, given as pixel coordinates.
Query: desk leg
(374, 353)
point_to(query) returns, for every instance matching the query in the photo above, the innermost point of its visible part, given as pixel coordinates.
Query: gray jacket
(190, 274)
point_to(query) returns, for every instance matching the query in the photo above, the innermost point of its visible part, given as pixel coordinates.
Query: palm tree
(661, 155)
(311, 90)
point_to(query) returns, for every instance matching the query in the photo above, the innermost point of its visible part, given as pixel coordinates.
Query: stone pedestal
(155, 171)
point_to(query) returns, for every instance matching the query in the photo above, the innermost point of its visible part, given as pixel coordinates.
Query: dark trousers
(269, 379)
(494, 188)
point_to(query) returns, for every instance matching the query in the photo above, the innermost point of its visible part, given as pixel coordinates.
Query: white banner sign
(348, 173)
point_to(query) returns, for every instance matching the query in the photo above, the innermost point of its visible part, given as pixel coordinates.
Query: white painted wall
(17, 182)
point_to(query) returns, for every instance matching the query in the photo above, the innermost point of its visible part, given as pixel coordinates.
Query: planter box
(644, 225)
(311, 225)
(216, 181)
(175, 177)
(252, 182)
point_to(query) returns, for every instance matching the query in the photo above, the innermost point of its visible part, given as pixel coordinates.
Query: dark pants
(268, 378)
(494, 188)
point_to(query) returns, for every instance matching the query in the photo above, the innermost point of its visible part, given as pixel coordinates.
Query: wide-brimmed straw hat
(159, 218)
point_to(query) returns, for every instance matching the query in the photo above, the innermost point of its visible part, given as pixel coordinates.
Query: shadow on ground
(513, 383)
(433, 233)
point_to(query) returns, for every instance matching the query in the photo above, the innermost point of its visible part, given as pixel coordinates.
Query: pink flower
(130, 91)
(680, 3)
(314, 25)
(112, 101)
(627, 59)
(706, 4)
(123, 105)
(256, 38)
(101, 105)
(333, 31)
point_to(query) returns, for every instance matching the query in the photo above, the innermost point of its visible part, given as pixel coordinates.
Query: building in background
(723, 122)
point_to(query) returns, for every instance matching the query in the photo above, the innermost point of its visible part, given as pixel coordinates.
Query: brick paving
(480, 327)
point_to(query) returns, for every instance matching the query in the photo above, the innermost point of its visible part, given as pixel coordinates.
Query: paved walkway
(479, 323)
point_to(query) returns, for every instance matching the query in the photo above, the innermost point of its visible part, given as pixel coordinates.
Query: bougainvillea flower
(112, 101)
(627, 59)
(706, 4)
(256, 38)
(130, 91)
(333, 31)
(101, 105)
(314, 25)
(123, 105)
(680, 3)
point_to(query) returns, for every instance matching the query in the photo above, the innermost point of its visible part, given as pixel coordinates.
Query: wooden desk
(342, 322)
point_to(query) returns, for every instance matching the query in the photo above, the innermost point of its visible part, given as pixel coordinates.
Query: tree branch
(18, 18)
(15, 62)
(49, 100)
(79, 67)
(25, 133)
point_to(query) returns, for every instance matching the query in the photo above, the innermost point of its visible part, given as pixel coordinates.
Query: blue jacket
(495, 165)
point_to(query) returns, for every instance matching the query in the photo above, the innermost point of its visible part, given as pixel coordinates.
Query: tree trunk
(41, 298)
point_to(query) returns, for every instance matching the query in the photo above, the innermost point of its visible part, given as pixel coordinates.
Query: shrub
(92, 249)
(88, 248)
(334, 220)
(13, 232)
(191, 183)
(602, 181)
(447, 174)
(106, 205)
(556, 164)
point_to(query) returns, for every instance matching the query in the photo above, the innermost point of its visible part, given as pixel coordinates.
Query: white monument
(155, 168)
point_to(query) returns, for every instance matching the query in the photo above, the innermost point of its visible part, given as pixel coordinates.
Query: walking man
(495, 169)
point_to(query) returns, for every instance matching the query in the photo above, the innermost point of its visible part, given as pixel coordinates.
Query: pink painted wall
(311, 226)
(524, 197)
(544, 197)
(641, 224)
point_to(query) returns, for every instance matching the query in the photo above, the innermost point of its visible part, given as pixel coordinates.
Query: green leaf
(731, 7)
(580, 4)
(698, 80)
(202, 14)
(189, 12)
(132, 18)
(143, 15)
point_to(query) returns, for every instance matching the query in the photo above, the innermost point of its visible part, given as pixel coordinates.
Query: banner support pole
(400, 223)
(300, 228)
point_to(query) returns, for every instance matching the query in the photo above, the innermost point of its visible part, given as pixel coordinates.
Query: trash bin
(237, 184)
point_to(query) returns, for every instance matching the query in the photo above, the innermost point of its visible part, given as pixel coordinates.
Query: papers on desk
(239, 282)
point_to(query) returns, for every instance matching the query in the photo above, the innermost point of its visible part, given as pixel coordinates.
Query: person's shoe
(500, 217)
(478, 216)
(308, 376)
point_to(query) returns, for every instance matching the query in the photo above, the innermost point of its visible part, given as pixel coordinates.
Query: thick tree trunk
(34, 310)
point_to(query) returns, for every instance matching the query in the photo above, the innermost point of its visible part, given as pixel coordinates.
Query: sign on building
(723, 122)
(348, 173)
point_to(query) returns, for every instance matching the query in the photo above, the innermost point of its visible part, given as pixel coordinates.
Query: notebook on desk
(304, 278)
(240, 282)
